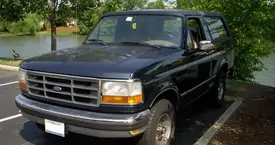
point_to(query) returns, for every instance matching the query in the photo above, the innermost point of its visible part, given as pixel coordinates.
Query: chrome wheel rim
(164, 129)
(220, 89)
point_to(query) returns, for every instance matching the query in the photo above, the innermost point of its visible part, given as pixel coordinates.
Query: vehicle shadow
(191, 124)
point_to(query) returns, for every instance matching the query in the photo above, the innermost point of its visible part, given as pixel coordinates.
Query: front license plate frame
(54, 127)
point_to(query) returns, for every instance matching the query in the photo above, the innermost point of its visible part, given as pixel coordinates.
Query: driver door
(199, 68)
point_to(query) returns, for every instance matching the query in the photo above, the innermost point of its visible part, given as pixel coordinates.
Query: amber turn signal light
(23, 85)
(127, 100)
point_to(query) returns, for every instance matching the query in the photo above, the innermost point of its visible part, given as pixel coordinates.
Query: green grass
(2, 33)
(9, 61)
(59, 33)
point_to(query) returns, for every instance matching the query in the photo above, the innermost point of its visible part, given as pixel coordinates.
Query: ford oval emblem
(57, 89)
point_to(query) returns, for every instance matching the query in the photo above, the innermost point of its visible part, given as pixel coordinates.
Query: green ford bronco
(130, 76)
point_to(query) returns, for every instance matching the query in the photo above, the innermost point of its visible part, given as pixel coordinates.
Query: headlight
(124, 93)
(22, 79)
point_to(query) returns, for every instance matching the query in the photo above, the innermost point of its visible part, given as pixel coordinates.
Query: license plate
(56, 128)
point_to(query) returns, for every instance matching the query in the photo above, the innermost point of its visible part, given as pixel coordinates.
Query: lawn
(72, 29)
(9, 61)
(61, 31)
(58, 33)
(2, 33)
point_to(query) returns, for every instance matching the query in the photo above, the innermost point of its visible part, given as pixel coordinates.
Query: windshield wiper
(97, 41)
(139, 43)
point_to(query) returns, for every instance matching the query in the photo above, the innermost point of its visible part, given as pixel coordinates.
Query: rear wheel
(161, 125)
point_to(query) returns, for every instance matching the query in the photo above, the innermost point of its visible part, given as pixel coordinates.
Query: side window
(190, 44)
(196, 32)
(107, 30)
(216, 27)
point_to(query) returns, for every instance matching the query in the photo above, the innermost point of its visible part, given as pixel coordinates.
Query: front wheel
(161, 125)
(217, 93)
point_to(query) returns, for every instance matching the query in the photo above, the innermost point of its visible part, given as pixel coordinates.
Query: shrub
(4, 26)
(28, 26)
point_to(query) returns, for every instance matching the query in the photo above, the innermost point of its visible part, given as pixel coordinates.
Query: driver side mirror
(206, 45)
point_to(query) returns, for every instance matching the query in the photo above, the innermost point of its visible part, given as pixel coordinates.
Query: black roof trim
(175, 12)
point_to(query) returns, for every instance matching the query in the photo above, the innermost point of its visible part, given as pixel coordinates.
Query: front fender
(155, 88)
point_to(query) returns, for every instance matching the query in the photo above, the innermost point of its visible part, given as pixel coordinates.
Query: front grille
(71, 89)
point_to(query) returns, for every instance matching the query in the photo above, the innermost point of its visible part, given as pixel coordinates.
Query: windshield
(140, 29)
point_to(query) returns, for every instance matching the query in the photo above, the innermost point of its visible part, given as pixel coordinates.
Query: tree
(134, 4)
(29, 25)
(86, 13)
(89, 13)
(159, 4)
(11, 10)
(50, 9)
(182, 4)
(15, 10)
(52, 18)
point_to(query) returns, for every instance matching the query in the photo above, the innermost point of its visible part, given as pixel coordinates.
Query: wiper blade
(139, 43)
(97, 41)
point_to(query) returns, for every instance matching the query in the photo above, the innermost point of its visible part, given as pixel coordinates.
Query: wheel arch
(170, 94)
(223, 66)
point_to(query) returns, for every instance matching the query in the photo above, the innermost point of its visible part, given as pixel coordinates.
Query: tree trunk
(53, 25)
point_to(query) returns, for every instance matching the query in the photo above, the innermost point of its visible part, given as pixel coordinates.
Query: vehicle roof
(176, 12)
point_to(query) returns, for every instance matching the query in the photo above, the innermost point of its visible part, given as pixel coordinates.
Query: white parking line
(208, 135)
(10, 83)
(9, 118)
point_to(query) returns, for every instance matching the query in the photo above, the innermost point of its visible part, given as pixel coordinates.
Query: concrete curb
(208, 135)
(10, 68)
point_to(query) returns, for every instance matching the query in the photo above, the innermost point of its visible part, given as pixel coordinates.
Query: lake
(267, 77)
(28, 46)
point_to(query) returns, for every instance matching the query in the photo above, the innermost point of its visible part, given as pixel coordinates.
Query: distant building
(71, 22)
(41, 23)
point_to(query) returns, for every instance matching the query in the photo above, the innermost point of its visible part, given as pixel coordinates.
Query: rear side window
(217, 28)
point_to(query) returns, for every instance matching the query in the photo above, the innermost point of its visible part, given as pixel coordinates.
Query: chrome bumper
(97, 123)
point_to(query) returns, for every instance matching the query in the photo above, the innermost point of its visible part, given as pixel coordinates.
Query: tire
(217, 92)
(163, 109)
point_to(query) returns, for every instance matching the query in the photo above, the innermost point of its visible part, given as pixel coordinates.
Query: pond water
(28, 46)
(267, 76)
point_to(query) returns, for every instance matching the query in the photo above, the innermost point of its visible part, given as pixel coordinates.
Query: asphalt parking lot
(16, 130)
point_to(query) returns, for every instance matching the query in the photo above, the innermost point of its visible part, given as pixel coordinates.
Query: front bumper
(85, 122)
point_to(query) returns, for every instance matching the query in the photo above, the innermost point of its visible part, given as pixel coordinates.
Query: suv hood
(91, 60)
